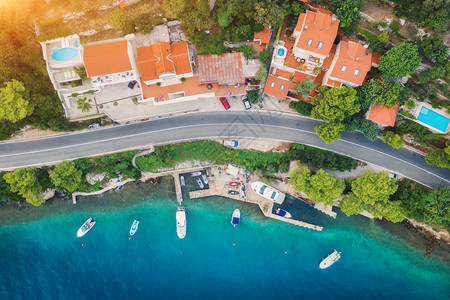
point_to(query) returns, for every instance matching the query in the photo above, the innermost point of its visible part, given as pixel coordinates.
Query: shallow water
(41, 257)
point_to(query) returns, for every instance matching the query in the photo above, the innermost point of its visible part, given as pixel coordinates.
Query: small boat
(283, 213)
(182, 182)
(205, 178)
(330, 259)
(235, 217)
(233, 192)
(134, 227)
(242, 191)
(196, 173)
(86, 227)
(181, 222)
(235, 183)
(268, 192)
(200, 183)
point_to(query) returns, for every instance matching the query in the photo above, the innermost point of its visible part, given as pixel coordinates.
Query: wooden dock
(176, 179)
(296, 222)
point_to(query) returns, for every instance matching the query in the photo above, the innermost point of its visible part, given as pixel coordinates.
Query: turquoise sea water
(42, 259)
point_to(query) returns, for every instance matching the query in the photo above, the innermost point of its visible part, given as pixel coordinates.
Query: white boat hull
(181, 222)
(330, 259)
(86, 227)
(134, 227)
(236, 217)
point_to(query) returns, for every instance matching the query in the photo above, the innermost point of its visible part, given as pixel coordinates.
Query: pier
(176, 178)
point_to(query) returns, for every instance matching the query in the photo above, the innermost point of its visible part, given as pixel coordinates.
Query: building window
(282, 87)
(272, 84)
(344, 67)
(320, 45)
(309, 43)
(356, 72)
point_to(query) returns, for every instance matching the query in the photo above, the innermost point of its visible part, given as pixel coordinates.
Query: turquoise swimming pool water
(40, 257)
(64, 54)
(434, 119)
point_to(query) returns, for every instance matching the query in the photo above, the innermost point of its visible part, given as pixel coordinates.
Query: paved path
(226, 124)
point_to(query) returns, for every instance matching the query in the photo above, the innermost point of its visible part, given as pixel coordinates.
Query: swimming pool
(64, 54)
(281, 52)
(433, 119)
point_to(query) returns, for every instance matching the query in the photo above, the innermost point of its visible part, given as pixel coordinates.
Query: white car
(231, 143)
(393, 175)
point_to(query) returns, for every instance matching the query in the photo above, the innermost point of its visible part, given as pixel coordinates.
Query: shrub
(394, 140)
(158, 83)
(265, 58)
(261, 74)
(431, 74)
(253, 95)
(410, 104)
(303, 108)
(182, 79)
(395, 25)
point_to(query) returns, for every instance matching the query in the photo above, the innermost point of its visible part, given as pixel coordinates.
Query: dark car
(247, 103)
(225, 103)
(231, 192)
(132, 84)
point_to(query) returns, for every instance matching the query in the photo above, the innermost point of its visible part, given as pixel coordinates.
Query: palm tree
(84, 104)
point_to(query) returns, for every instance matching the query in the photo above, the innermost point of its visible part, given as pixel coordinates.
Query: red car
(225, 103)
(235, 183)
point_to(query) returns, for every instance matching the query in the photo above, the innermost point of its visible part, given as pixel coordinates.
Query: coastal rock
(48, 193)
(92, 178)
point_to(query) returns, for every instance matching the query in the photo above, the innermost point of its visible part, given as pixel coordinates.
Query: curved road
(248, 124)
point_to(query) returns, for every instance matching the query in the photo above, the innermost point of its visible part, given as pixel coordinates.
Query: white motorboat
(86, 227)
(235, 217)
(134, 227)
(200, 183)
(196, 173)
(283, 213)
(330, 259)
(181, 222)
(268, 192)
(205, 178)
(182, 182)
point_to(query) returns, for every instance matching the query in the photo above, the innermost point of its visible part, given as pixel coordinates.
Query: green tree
(334, 104)
(374, 187)
(303, 108)
(296, 8)
(14, 101)
(381, 92)
(265, 58)
(393, 211)
(247, 51)
(81, 71)
(347, 10)
(400, 61)
(439, 157)
(433, 46)
(351, 205)
(25, 182)
(394, 140)
(118, 19)
(305, 87)
(66, 175)
(383, 38)
(329, 132)
(320, 187)
(268, 13)
(261, 74)
(173, 8)
(431, 74)
(84, 104)
(224, 16)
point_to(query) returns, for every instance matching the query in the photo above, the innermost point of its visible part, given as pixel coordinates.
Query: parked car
(393, 175)
(225, 103)
(247, 103)
(231, 192)
(230, 143)
(131, 84)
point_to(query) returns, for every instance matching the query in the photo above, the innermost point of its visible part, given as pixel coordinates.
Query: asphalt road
(227, 124)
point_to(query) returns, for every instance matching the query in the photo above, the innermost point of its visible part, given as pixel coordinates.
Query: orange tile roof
(319, 27)
(276, 90)
(223, 69)
(383, 114)
(104, 59)
(375, 59)
(190, 87)
(334, 83)
(327, 61)
(162, 58)
(281, 73)
(355, 57)
(257, 47)
(263, 36)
